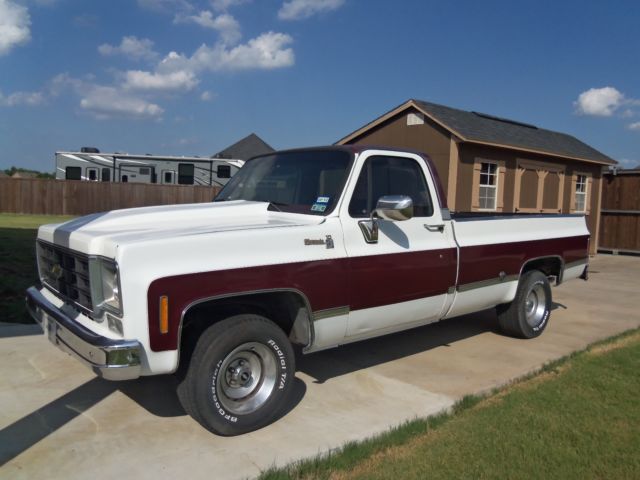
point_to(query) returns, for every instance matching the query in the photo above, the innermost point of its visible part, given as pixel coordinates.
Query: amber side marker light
(164, 314)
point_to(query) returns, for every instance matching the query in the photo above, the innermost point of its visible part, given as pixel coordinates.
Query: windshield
(306, 181)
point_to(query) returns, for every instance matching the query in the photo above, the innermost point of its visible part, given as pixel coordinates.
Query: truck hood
(102, 233)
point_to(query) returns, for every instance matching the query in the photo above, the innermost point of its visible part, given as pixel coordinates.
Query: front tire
(240, 376)
(527, 315)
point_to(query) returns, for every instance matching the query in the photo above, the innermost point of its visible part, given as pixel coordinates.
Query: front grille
(67, 273)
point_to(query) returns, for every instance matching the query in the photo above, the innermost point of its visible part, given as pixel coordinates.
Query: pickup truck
(312, 248)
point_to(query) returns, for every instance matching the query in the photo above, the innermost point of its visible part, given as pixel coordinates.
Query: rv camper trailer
(91, 165)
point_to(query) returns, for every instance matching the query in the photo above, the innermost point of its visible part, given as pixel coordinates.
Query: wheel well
(287, 309)
(550, 266)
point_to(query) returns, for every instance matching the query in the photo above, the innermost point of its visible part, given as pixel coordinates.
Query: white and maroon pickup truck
(314, 247)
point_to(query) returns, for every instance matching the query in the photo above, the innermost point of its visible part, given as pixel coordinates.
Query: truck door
(402, 279)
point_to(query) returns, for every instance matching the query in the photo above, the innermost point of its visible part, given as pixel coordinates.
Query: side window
(106, 175)
(185, 173)
(381, 176)
(73, 173)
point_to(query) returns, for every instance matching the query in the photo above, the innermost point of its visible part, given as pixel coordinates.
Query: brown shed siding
(428, 138)
(529, 182)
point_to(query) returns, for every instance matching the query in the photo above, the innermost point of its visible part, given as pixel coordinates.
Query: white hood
(102, 233)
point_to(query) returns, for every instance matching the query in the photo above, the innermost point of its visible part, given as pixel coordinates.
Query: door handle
(437, 227)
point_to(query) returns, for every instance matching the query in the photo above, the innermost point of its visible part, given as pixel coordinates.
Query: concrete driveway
(59, 421)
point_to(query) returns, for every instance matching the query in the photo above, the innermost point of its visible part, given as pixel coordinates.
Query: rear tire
(527, 315)
(240, 376)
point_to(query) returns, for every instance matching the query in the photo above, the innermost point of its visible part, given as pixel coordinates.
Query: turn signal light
(164, 314)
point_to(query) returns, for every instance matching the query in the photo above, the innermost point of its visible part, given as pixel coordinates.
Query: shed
(492, 164)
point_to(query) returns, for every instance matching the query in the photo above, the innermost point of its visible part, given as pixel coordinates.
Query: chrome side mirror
(395, 208)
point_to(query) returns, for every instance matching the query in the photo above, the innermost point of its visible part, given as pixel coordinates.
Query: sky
(190, 77)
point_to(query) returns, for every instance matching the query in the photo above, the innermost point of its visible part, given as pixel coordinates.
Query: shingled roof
(244, 149)
(476, 127)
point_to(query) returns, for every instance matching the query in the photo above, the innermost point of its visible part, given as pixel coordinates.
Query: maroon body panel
(358, 282)
(483, 262)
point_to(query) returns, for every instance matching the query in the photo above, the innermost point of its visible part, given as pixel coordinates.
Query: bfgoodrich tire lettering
(240, 376)
(528, 315)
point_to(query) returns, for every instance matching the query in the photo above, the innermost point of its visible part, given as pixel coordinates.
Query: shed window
(581, 193)
(488, 193)
(73, 173)
(185, 173)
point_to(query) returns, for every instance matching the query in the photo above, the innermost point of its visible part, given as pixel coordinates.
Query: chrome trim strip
(577, 263)
(330, 312)
(108, 358)
(487, 283)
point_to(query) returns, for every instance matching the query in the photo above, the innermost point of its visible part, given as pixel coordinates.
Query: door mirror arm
(395, 208)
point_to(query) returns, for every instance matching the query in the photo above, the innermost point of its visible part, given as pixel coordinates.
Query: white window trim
(496, 186)
(586, 176)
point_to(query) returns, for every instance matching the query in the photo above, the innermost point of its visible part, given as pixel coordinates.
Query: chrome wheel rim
(246, 378)
(535, 305)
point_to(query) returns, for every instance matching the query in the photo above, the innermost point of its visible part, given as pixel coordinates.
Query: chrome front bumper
(108, 358)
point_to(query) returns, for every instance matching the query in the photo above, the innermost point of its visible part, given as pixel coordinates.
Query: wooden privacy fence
(67, 197)
(620, 214)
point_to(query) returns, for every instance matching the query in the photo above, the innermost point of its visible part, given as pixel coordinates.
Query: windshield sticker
(322, 200)
(316, 207)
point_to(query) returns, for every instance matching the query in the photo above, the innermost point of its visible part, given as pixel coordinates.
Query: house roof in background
(481, 128)
(244, 149)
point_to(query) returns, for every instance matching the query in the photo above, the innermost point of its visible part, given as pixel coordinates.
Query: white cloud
(601, 102)
(131, 47)
(105, 102)
(267, 51)
(225, 24)
(301, 9)
(206, 96)
(180, 80)
(634, 126)
(224, 5)
(15, 24)
(30, 99)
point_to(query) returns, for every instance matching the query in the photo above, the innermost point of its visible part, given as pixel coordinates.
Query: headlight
(105, 286)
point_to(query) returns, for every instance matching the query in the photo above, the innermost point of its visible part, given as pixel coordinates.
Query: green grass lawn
(579, 419)
(18, 268)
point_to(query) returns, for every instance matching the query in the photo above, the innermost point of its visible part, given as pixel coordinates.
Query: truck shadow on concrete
(350, 358)
(157, 395)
